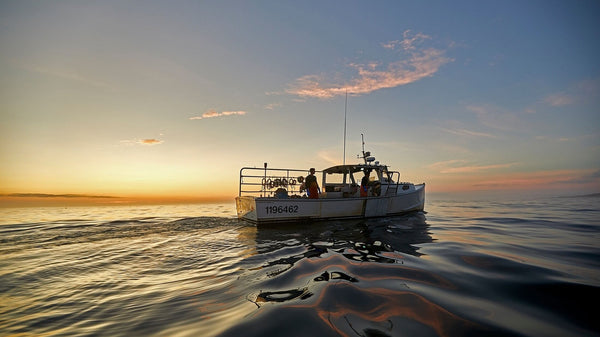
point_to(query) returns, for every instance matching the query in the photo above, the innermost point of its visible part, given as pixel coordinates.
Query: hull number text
(282, 209)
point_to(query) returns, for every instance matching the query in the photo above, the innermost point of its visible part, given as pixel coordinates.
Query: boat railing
(271, 182)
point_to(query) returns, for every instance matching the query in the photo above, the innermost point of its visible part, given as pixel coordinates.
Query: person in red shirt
(364, 184)
(312, 187)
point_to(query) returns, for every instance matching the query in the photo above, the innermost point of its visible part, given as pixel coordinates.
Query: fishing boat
(278, 195)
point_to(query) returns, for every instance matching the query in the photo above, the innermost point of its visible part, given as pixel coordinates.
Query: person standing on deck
(312, 187)
(364, 184)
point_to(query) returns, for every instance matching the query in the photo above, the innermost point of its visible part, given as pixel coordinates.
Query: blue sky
(172, 98)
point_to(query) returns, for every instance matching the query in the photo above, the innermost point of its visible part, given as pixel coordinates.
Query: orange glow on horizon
(566, 181)
(575, 180)
(88, 200)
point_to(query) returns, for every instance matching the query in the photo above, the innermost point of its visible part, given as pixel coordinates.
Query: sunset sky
(172, 98)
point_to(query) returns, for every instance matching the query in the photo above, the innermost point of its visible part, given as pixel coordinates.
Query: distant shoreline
(69, 200)
(46, 195)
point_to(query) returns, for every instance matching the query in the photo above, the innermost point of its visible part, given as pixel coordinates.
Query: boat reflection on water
(381, 240)
(367, 237)
(329, 277)
(351, 278)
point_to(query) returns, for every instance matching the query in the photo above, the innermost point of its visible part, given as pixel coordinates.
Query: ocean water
(462, 268)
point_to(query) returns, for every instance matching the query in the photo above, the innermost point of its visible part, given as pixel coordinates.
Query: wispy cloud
(497, 117)
(543, 179)
(328, 156)
(559, 99)
(463, 166)
(420, 62)
(554, 139)
(151, 141)
(576, 93)
(66, 75)
(147, 141)
(272, 106)
(564, 181)
(213, 114)
(408, 42)
(468, 133)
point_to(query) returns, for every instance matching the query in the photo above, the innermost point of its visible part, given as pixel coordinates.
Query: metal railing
(267, 182)
(273, 182)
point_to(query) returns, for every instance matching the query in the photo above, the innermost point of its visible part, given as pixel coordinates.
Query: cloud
(67, 75)
(555, 139)
(272, 106)
(576, 93)
(408, 42)
(421, 62)
(465, 132)
(544, 179)
(559, 181)
(391, 44)
(462, 166)
(149, 141)
(329, 156)
(497, 118)
(559, 99)
(213, 114)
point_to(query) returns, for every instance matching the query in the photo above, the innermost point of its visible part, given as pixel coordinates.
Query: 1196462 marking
(281, 209)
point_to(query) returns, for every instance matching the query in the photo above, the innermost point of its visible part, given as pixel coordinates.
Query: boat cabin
(343, 181)
(340, 181)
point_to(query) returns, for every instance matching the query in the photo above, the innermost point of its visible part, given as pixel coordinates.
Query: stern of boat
(246, 208)
(409, 198)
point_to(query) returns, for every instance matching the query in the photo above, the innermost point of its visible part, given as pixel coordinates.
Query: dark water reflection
(369, 237)
(379, 240)
(374, 278)
(350, 278)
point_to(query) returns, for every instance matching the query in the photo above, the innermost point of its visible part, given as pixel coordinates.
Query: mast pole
(345, 111)
(362, 138)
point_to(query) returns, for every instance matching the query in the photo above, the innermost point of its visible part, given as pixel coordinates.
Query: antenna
(345, 111)
(362, 137)
(366, 156)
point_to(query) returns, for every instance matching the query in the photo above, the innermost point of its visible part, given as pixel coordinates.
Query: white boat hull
(274, 210)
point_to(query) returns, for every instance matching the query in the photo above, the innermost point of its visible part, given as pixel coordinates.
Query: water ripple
(462, 269)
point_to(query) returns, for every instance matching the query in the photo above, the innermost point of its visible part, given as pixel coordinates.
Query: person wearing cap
(312, 187)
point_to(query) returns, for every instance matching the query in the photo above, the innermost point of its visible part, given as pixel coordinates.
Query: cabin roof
(339, 169)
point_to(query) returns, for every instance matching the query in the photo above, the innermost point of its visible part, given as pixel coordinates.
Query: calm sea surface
(463, 268)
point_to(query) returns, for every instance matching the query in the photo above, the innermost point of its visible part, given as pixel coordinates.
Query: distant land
(45, 195)
(73, 199)
(592, 195)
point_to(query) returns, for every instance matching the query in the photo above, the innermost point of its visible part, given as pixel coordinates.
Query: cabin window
(335, 182)
(374, 176)
(335, 179)
(386, 176)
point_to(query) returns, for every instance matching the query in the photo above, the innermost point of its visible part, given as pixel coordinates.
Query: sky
(171, 98)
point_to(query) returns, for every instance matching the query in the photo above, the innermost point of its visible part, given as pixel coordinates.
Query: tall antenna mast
(345, 110)
(362, 138)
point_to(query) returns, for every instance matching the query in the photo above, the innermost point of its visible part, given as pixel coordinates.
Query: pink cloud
(149, 141)
(566, 181)
(462, 166)
(550, 179)
(576, 93)
(213, 113)
(408, 42)
(468, 133)
(421, 63)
